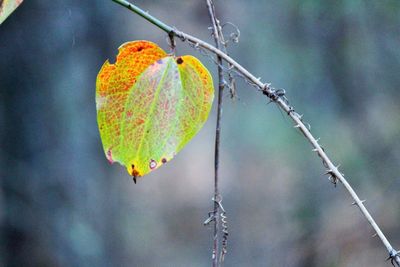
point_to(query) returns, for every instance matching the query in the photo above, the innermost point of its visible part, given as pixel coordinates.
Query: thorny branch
(279, 98)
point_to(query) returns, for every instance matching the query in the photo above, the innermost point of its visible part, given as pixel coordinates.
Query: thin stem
(145, 15)
(215, 257)
(283, 104)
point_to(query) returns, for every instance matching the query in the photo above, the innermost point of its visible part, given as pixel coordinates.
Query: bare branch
(220, 43)
(221, 85)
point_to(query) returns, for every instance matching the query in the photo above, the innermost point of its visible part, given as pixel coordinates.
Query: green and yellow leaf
(150, 105)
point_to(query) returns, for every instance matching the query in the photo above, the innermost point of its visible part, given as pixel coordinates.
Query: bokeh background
(62, 203)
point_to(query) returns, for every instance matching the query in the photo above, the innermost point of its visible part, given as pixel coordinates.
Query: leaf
(150, 105)
(7, 7)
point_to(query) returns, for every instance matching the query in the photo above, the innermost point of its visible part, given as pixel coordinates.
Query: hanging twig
(215, 252)
(283, 103)
(219, 42)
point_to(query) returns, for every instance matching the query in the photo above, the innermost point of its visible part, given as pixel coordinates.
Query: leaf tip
(133, 171)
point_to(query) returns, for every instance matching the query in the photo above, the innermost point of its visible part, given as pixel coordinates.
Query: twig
(283, 103)
(221, 84)
(215, 259)
(221, 44)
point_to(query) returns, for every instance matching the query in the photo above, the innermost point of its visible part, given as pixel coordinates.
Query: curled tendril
(233, 36)
(225, 233)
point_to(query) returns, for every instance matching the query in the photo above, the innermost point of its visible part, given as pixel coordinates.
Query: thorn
(355, 203)
(333, 180)
(315, 150)
(297, 126)
(374, 235)
(394, 253)
(281, 93)
(300, 116)
(317, 140)
(328, 172)
(324, 163)
(392, 256)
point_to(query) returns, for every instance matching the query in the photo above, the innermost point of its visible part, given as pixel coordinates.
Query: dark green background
(62, 204)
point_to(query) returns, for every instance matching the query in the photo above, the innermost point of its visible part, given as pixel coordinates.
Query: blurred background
(63, 204)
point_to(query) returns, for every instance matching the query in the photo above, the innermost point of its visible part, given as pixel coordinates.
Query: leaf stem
(283, 103)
